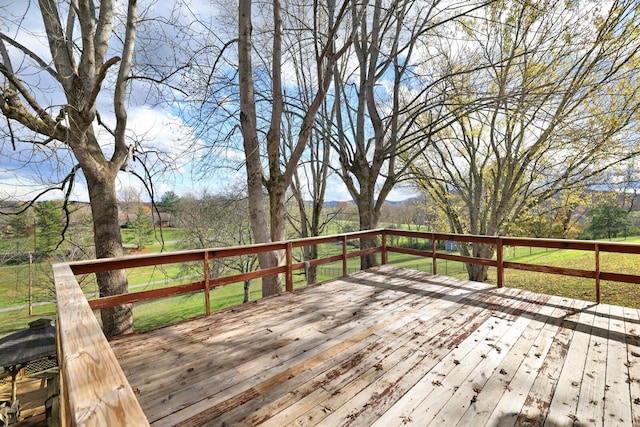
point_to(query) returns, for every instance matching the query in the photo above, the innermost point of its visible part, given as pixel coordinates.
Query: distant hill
(335, 203)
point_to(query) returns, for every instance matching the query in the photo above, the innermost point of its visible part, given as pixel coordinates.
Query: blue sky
(26, 170)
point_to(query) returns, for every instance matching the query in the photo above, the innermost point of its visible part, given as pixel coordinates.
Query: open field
(13, 288)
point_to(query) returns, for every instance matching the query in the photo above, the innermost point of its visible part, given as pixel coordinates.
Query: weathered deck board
(408, 342)
(565, 399)
(617, 407)
(438, 380)
(632, 336)
(591, 398)
(515, 378)
(392, 346)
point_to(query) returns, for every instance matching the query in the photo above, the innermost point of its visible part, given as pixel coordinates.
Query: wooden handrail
(499, 243)
(93, 389)
(205, 255)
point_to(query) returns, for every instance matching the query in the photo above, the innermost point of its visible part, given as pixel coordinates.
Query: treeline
(215, 220)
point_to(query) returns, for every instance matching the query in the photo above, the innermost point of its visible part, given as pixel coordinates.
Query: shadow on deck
(391, 346)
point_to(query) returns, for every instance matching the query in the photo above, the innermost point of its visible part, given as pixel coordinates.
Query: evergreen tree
(50, 225)
(169, 202)
(607, 219)
(142, 226)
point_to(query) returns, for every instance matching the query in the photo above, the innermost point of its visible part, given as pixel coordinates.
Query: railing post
(597, 253)
(434, 254)
(289, 273)
(384, 247)
(500, 260)
(207, 284)
(344, 255)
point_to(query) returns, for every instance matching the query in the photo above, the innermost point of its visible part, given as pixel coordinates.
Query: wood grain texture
(94, 387)
(391, 346)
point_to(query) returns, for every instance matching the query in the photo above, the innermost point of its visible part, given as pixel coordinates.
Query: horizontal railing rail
(94, 391)
(207, 255)
(597, 247)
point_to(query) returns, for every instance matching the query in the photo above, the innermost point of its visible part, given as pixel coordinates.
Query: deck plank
(349, 383)
(563, 408)
(430, 323)
(463, 385)
(373, 387)
(623, 368)
(537, 404)
(515, 378)
(256, 337)
(591, 397)
(434, 380)
(491, 376)
(313, 353)
(391, 346)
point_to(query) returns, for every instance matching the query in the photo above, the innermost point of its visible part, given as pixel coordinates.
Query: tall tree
(169, 202)
(143, 226)
(607, 219)
(210, 221)
(81, 56)
(556, 102)
(249, 127)
(310, 179)
(380, 96)
(280, 172)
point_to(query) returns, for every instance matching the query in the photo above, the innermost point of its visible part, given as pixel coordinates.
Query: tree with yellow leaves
(555, 103)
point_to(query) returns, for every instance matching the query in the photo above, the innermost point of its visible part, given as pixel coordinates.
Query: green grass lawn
(157, 312)
(14, 284)
(16, 320)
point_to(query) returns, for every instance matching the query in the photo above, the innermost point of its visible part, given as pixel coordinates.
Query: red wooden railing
(104, 397)
(597, 247)
(206, 255)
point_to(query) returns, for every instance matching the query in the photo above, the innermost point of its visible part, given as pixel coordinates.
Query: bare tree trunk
(279, 180)
(248, 124)
(368, 217)
(278, 211)
(277, 184)
(312, 272)
(116, 320)
(247, 286)
(477, 272)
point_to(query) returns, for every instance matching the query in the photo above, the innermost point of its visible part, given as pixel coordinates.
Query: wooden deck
(391, 347)
(32, 395)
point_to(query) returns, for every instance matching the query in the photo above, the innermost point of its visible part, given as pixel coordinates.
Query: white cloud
(161, 131)
(14, 187)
